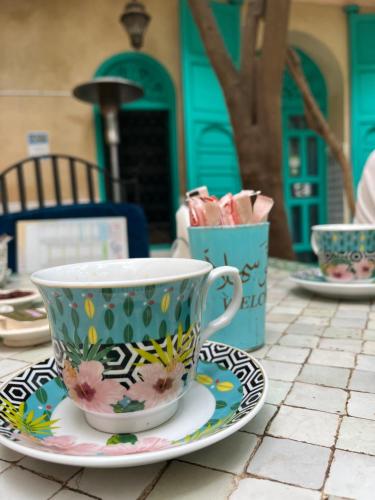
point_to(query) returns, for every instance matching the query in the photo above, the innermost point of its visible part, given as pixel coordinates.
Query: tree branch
(213, 41)
(249, 35)
(317, 122)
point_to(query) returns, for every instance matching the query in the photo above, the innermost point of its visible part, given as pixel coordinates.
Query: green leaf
(128, 306)
(132, 406)
(110, 340)
(163, 329)
(220, 405)
(86, 347)
(183, 285)
(68, 294)
(41, 395)
(53, 314)
(147, 315)
(59, 306)
(187, 322)
(75, 318)
(64, 331)
(109, 318)
(146, 338)
(93, 352)
(221, 367)
(59, 382)
(107, 294)
(128, 333)
(234, 406)
(149, 291)
(178, 310)
(77, 340)
(122, 438)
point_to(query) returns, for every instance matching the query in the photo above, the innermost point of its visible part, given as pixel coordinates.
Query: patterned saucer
(314, 281)
(37, 419)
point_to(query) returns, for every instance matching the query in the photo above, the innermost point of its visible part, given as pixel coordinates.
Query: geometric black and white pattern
(121, 362)
(239, 363)
(25, 384)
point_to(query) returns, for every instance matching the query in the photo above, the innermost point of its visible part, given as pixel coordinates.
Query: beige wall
(48, 46)
(51, 45)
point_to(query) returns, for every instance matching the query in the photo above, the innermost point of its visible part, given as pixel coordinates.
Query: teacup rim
(343, 227)
(206, 267)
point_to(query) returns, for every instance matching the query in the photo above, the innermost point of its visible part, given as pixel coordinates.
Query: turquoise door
(210, 153)
(362, 58)
(304, 160)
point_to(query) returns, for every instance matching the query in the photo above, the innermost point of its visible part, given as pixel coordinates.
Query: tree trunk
(252, 95)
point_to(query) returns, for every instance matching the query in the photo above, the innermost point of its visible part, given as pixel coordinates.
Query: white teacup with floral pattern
(127, 334)
(346, 252)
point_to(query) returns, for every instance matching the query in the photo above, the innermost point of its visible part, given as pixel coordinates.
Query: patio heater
(109, 93)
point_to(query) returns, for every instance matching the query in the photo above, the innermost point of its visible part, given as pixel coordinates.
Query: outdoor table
(313, 439)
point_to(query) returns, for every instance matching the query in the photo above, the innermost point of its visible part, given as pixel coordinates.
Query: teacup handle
(227, 316)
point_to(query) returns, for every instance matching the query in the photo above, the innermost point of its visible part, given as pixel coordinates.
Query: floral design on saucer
(27, 402)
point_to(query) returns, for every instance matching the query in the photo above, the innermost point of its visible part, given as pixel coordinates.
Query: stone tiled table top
(313, 439)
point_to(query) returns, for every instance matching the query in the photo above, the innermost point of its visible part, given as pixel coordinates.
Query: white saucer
(229, 390)
(24, 337)
(312, 280)
(20, 300)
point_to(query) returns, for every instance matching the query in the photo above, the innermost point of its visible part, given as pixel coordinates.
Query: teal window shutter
(211, 157)
(362, 69)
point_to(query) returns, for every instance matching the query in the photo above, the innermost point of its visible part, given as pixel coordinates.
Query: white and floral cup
(127, 334)
(346, 252)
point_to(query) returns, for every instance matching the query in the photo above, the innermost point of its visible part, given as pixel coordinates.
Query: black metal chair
(60, 165)
(73, 194)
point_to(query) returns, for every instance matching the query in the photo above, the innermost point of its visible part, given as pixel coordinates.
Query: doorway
(148, 144)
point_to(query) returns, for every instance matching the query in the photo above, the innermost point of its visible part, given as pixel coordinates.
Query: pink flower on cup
(88, 389)
(159, 384)
(340, 272)
(143, 445)
(364, 269)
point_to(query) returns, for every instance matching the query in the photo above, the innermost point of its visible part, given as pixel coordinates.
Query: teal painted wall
(362, 75)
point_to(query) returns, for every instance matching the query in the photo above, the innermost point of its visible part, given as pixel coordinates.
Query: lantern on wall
(135, 20)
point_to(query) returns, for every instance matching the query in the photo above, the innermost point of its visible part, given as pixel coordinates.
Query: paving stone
(349, 322)
(315, 427)
(341, 359)
(312, 320)
(66, 494)
(8, 366)
(281, 318)
(324, 375)
(279, 370)
(260, 353)
(342, 333)
(369, 334)
(366, 362)
(258, 424)
(352, 313)
(351, 476)
(319, 313)
(299, 340)
(21, 484)
(316, 397)
(371, 325)
(289, 354)
(36, 354)
(369, 347)
(357, 434)
(261, 489)
(190, 482)
(291, 462)
(350, 345)
(301, 329)
(229, 455)
(113, 483)
(277, 391)
(9, 455)
(362, 381)
(55, 471)
(361, 404)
